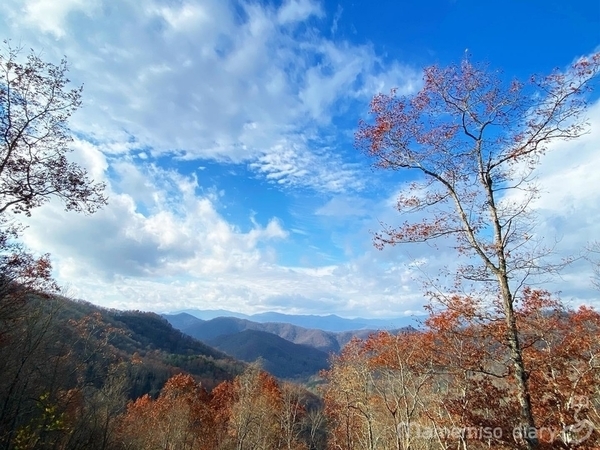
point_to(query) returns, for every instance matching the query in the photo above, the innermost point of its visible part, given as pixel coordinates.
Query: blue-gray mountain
(208, 330)
(280, 357)
(326, 323)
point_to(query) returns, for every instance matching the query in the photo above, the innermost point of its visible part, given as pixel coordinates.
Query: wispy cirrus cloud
(239, 82)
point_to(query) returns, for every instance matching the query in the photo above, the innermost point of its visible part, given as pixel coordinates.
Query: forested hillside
(277, 356)
(69, 368)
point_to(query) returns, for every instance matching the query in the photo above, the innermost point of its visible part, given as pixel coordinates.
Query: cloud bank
(172, 88)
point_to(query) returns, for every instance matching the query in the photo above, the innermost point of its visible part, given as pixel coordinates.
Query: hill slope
(63, 359)
(207, 330)
(101, 338)
(280, 357)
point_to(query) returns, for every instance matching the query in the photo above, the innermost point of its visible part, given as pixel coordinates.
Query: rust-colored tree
(378, 391)
(341, 394)
(561, 356)
(290, 415)
(473, 392)
(452, 385)
(223, 396)
(402, 372)
(475, 142)
(180, 418)
(562, 353)
(354, 409)
(254, 418)
(20, 273)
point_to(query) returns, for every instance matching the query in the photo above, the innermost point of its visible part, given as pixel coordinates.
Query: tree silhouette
(35, 106)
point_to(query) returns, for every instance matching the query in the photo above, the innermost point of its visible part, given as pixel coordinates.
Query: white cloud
(184, 253)
(181, 234)
(208, 80)
(343, 207)
(292, 163)
(120, 258)
(336, 19)
(50, 15)
(568, 216)
(205, 80)
(298, 11)
(89, 157)
(184, 17)
(181, 252)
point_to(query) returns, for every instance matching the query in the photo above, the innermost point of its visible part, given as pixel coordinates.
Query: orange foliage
(251, 412)
(457, 376)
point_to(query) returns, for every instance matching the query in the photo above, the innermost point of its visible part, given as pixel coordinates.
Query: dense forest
(498, 364)
(76, 376)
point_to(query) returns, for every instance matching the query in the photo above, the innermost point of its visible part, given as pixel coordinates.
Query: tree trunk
(528, 430)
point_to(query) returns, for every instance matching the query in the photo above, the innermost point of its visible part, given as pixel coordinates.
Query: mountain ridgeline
(285, 350)
(280, 357)
(330, 322)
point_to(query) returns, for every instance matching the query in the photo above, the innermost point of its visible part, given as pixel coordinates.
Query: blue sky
(224, 130)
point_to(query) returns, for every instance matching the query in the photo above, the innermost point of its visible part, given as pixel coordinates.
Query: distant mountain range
(326, 323)
(286, 350)
(280, 357)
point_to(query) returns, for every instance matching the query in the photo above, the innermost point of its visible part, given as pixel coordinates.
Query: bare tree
(35, 106)
(594, 250)
(475, 142)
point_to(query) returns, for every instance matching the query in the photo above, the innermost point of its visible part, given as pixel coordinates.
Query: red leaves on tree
(472, 138)
(252, 411)
(179, 419)
(457, 375)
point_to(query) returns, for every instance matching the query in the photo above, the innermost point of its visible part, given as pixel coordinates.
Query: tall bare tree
(475, 142)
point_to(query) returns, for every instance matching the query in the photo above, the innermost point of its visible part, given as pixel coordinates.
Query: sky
(225, 133)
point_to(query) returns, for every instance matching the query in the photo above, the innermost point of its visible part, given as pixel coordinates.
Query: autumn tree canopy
(475, 141)
(450, 386)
